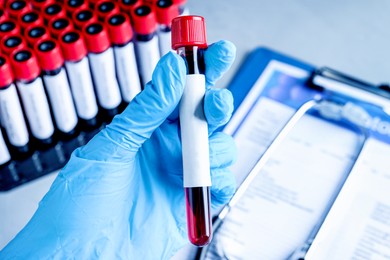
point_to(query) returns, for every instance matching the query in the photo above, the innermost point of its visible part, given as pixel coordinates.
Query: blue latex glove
(121, 196)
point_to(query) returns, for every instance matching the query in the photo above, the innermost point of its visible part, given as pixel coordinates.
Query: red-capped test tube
(83, 17)
(32, 93)
(105, 8)
(59, 26)
(128, 6)
(189, 39)
(102, 62)
(165, 12)
(146, 44)
(53, 10)
(79, 73)
(30, 18)
(11, 43)
(17, 8)
(34, 34)
(72, 5)
(8, 27)
(121, 36)
(11, 113)
(57, 86)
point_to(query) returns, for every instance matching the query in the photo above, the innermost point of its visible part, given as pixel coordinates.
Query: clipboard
(338, 98)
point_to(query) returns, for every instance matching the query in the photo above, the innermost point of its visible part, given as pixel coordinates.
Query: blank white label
(127, 72)
(61, 101)
(194, 133)
(104, 77)
(82, 88)
(12, 117)
(36, 108)
(4, 154)
(148, 55)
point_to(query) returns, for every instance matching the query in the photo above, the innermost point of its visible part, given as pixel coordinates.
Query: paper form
(358, 225)
(286, 199)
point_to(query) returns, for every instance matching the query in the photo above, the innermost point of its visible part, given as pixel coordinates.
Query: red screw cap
(6, 74)
(72, 6)
(73, 46)
(60, 25)
(106, 8)
(144, 20)
(3, 15)
(36, 33)
(39, 4)
(188, 31)
(53, 10)
(96, 37)
(83, 17)
(16, 8)
(11, 43)
(166, 11)
(25, 65)
(30, 18)
(9, 27)
(49, 54)
(119, 28)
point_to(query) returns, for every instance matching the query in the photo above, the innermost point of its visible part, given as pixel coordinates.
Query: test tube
(11, 113)
(17, 8)
(57, 86)
(121, 36)
(59, 26)
(146, 44)
(165, 12)
(105, 8)
(32, 93)
(128, 6)
(189, 39)
(11, 43)
(101, 57)
(8, 27)
(84, 16)
(72, 5)
(33, 34)
(79, 73)
(30, 18)
(5, 157)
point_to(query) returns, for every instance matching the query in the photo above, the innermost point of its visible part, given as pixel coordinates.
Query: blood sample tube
(79, 73)
(84, 16)
(121, 34)
(32, 93)
(35, 33)
(128, 6)
(57, 86)
(17, 8)
(5, 157)
(146, 45)
(73, 5)
(101, 57)
(9, 27)
(30, 18)
(165, 12)
(53, 10)
(39, 4)
(105, 8)
(189, 39)
(183, 10)
(59, 26)
(11, 113)
(3, 15)
(11, 43)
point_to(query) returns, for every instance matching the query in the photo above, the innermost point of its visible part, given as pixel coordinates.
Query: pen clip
(330, 80)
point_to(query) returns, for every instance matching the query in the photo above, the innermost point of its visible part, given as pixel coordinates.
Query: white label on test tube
(36, 108)
(148, 56)
(194, 133)
(4, 154)
(127, 72)
(165, 42)
(61, 101)
(82, 88)
(12, 116)
(103, 71)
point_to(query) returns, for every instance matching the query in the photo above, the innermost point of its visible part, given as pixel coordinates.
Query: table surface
(352, 36)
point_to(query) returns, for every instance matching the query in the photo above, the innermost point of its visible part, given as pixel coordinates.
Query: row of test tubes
(66, 68)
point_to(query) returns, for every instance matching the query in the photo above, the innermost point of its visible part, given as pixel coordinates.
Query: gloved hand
(121, 196)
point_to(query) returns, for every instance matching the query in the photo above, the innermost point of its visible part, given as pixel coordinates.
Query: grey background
(352, 36)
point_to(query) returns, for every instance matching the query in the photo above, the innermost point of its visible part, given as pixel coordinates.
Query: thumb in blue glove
(121, 195)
